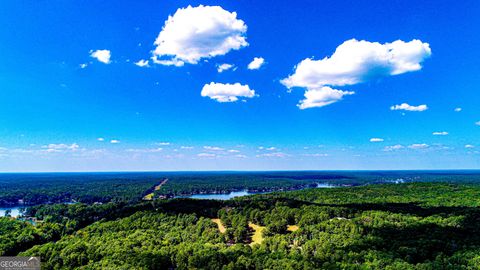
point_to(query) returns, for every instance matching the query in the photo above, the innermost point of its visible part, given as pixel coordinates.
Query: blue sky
(73, 99)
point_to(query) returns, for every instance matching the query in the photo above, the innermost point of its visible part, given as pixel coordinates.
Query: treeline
(34, 189)
(407, 226)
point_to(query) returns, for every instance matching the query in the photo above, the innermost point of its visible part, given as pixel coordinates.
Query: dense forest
(385, 226)
(50, 188)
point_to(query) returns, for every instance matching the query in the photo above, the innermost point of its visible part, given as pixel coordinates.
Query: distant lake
(15, 211)
(233, 194)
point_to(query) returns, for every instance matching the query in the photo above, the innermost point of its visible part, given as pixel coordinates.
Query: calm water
(15, 211)
(234, 194)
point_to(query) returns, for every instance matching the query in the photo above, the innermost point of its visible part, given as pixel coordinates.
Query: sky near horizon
(239, 85)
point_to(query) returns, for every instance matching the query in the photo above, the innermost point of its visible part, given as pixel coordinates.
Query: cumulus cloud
(193, 33)
(440, 133)
(393, 147)
(101, 55)
(356, 61)
(256, 63)
(376, 140)
(221, 68)
(319, 97)
(142, 63)
(419, 146)
(226, 92)
(114, 141)
(407, 107)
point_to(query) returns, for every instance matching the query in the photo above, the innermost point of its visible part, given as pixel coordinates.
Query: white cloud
(316, 155)
(240, 156)
(221, 68)
(376, 140)
(355, 62)
(419, 146)
(407, 107)
(193, 33)
(458, 109)
(477, 123)
(186, 147)
(469, 146)
(256, 63)
(213, 148)
(440, 133)
(233, 151)
(358, 61)
(276, 154)
(61, 147)
(101, 55)
(323, 96)
(227, 92)
(206, 155)
(100, 139)
(114, 141)
(142, 63)
(271, 149)
(84, 65)
(141, 150)
(162, 143)
(393, 147)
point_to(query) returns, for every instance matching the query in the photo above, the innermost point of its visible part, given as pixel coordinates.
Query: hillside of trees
(391, 226)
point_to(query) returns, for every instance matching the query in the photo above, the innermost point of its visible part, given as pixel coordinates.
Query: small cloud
(100, 139)
(316, 155)
(440, 133)
(186, 147)
(206, 155)
(376, 140)
(233, 151)
(101, 55)
(271, 149)
(148, 150)
(275, 154)
(393, 147)
(419, 146)
(320, 97)
(407, 107)
(84, 65)
(226, 92)
(221, 68)
(114, 141)
(142, 63)
(477, 123)
(256, 63)
(469, 146)
(240, 156)
(213, 148)
(458, 109)
(162, 143)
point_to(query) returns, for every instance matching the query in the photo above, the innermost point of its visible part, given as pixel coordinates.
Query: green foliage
(406, 226)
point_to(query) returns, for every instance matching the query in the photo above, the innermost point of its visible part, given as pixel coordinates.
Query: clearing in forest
(257, 236)
(221, 228)
(149, 196)
(292, 228)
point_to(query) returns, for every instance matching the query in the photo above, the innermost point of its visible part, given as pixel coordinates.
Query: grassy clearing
(292, 228)
(221, 228)
(257, 237)
(148, 197)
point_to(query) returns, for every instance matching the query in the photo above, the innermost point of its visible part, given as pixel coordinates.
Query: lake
(15, 211)
(233, 194)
